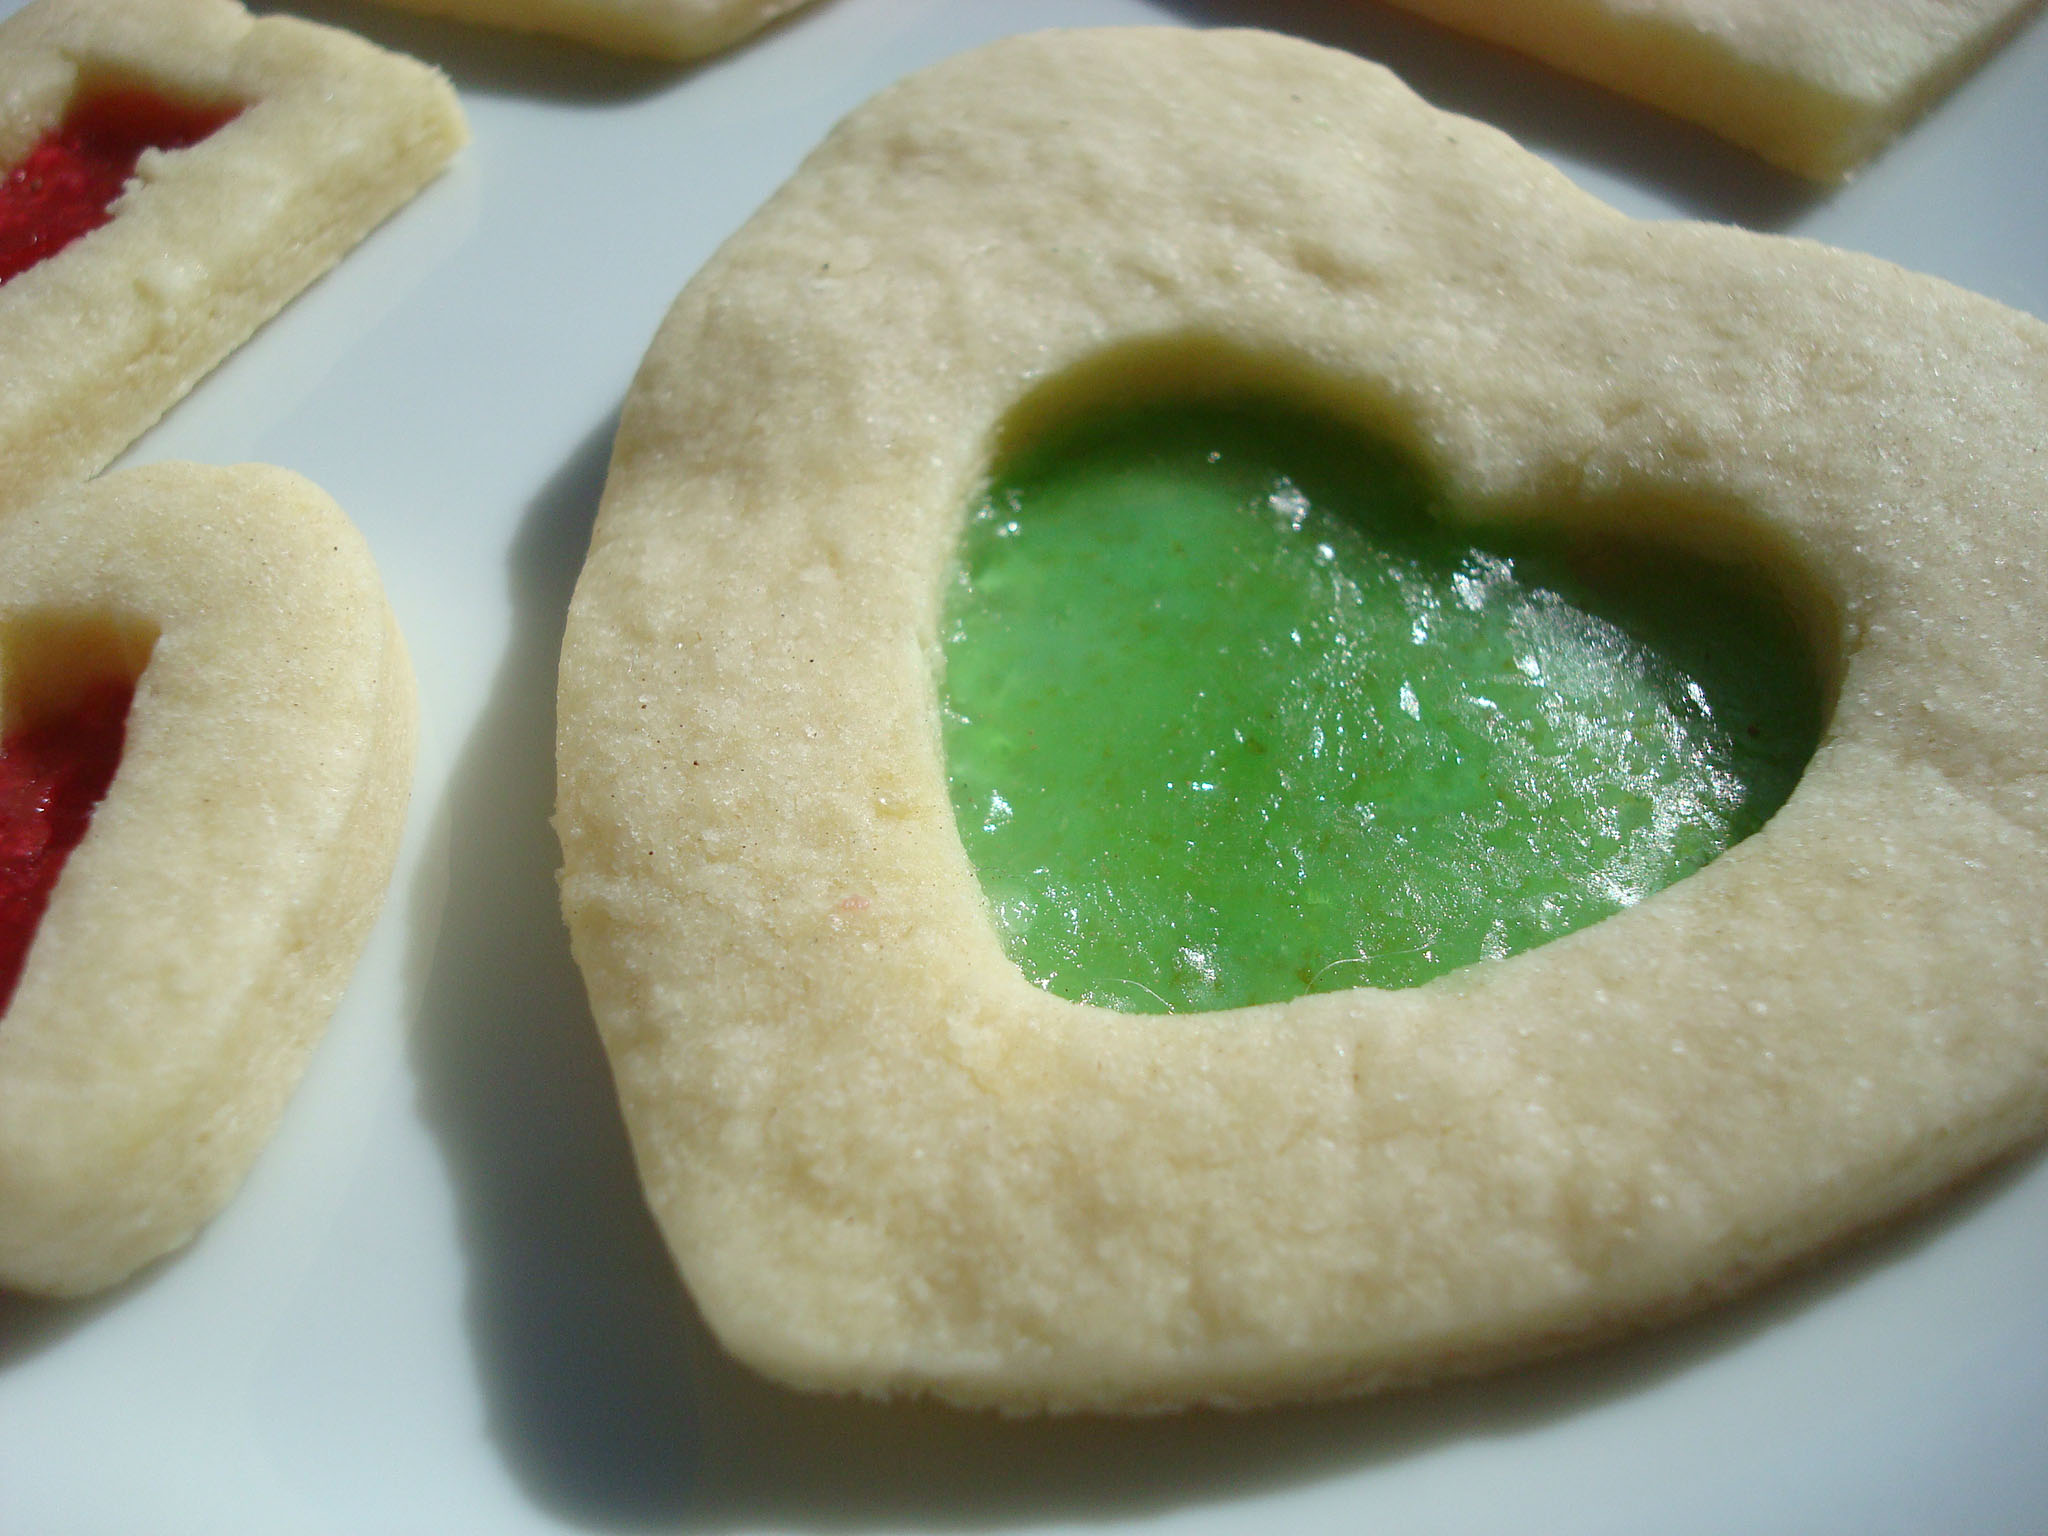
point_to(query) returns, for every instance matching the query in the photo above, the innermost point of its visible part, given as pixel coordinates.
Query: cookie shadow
(577, 1322)
(31, 1324)
(1542, 108)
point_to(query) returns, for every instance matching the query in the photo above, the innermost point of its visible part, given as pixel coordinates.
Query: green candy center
(1231, 716)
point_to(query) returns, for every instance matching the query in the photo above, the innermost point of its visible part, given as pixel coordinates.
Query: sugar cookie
(1815, 86)
(199, 935)
(885, 1162)
(662, 29)
(319, 136)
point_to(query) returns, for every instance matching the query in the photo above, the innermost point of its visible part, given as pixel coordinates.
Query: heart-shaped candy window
(1232, 715)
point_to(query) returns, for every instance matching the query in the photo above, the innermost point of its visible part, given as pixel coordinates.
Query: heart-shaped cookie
(885, 1161)
(199, 935)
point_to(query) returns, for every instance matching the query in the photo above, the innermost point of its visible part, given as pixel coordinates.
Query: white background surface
(438, 1305)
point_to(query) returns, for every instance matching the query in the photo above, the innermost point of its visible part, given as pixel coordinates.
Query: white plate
(438, 1306)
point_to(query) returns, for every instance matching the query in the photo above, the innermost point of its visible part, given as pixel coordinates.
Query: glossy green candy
(1231, 717)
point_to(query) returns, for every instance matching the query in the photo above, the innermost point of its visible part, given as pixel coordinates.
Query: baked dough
(662, 29)
(207, 243)
(198, 937)
(888, 1164)
(1814, 86)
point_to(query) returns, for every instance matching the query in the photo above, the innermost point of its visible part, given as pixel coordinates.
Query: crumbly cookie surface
(885, 1162)
(1816, 86)
(662, 29)
(199, 936)
(207, 243)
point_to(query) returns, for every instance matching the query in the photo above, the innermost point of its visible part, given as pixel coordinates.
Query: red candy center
(52, 775)
(77, 169)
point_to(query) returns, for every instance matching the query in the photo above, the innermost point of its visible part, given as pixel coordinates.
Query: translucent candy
(1231, 716)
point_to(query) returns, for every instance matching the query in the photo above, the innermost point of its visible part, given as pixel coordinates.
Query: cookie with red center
(172, 172)
(206, 735)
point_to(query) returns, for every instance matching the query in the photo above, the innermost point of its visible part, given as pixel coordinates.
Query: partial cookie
(662, 29)
(320, 137)
(1814, 86)
(885, 1162)
(198, 937)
